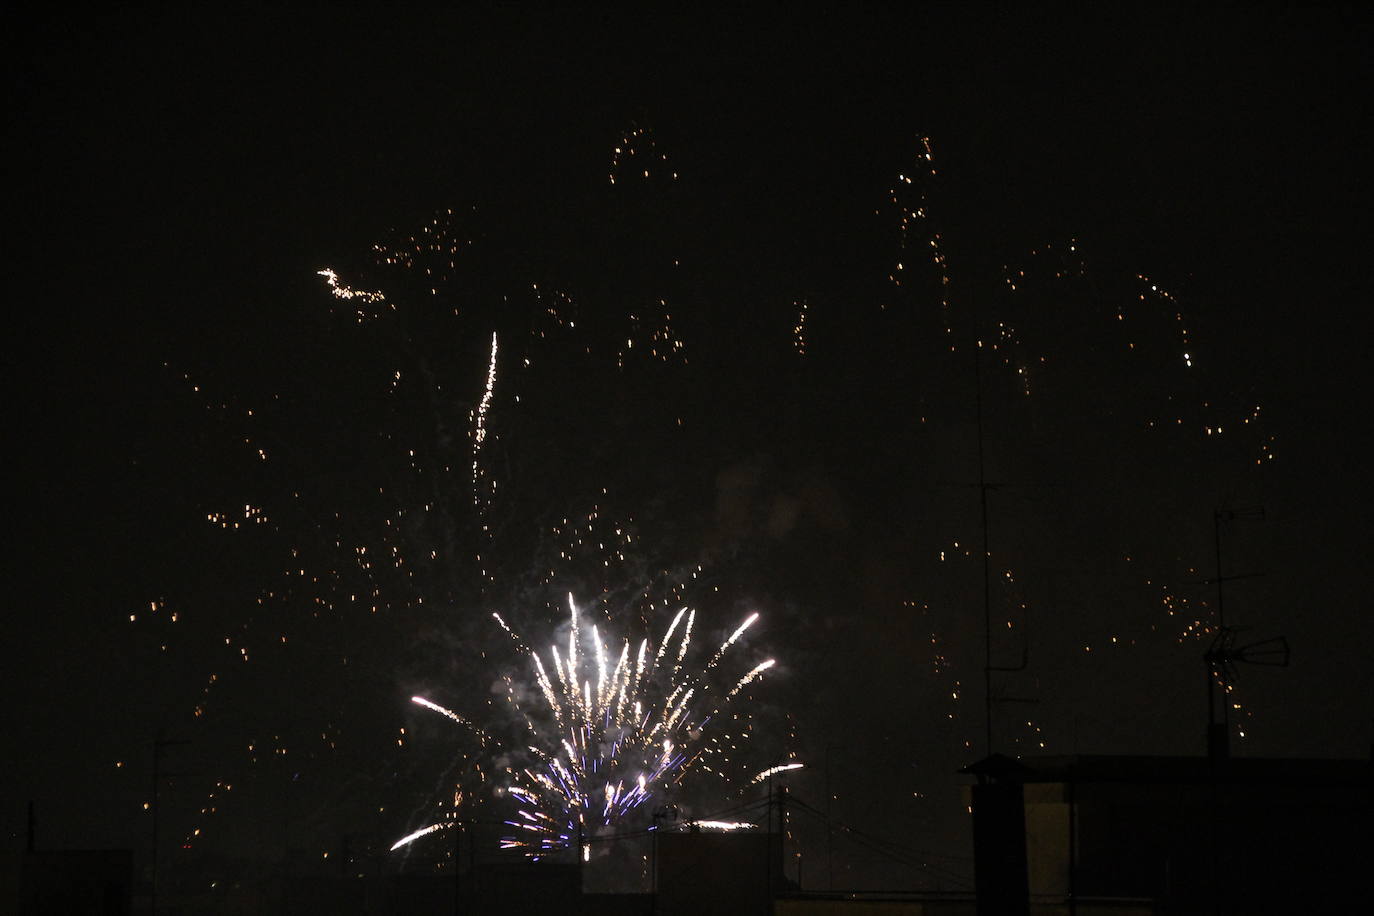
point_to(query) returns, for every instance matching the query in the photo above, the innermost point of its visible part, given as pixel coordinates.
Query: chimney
(1218, 742)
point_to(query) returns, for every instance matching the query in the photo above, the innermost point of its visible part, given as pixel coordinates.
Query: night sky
(1156, 225)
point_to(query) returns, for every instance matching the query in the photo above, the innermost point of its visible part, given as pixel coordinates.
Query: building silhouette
(1089, 834)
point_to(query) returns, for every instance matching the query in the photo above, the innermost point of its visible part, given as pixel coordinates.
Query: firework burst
(611, 728)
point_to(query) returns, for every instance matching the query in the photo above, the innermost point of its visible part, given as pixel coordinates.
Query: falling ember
(423, 831)
(606, 742)
(751, 676)
(479, 433)
(772, 771)
(733, 636)
(447, 713)
(342, 291)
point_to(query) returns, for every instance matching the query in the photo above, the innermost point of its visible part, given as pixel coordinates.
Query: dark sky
(177, 179)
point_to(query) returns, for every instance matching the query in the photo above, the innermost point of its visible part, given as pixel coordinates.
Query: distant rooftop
(1089, 768)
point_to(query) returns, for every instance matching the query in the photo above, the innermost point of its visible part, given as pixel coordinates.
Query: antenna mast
(1223, 654)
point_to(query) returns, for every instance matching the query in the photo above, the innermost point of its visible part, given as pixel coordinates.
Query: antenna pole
(1218, 744)
(1223, 651)
(1216, 539)
(158, 744)
(983, 510)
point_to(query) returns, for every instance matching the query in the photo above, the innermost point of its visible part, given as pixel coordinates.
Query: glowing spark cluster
(909, 212)
(613, 724)
(362, 297)
(432, 250)
(655, 335)
(637, 154)
(799, 329)
(1157, 291)
(251, 515)
(556, 312)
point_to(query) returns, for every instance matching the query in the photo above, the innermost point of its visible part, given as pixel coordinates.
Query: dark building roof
(1080, 768)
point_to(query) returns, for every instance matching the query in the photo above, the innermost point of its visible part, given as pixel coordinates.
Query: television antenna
(1226, 652)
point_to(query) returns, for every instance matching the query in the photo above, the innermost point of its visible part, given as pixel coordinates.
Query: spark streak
(772, 771)
(448, 713)
(754, 673)
(479, 434)
(343, 291)
(423, 831)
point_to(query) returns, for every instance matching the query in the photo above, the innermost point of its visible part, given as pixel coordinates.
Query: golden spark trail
(479, 434)
(733, 636)
(423, 831)
(755, 672)
(772, 771)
